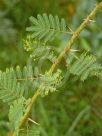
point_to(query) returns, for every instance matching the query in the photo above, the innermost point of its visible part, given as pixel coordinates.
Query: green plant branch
(60, 57)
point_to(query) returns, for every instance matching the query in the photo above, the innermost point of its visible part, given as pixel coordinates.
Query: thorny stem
(60, 57)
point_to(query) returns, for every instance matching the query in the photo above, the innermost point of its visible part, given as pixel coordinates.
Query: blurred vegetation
(74, 110)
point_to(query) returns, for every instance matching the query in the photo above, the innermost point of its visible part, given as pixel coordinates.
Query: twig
(60, 57)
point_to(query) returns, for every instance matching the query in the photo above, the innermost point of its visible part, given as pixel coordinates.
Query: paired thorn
(91, 20)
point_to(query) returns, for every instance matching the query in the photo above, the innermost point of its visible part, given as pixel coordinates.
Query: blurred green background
(76, 110)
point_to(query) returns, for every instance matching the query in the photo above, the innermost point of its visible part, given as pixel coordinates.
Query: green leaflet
(17, 109)
(29, 78)
(10, 89)
(85, 66)
(47, 27)
(14, 83)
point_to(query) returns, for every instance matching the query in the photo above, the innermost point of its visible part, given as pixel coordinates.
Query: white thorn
(33, 121)
(92, 21)
(73, 50)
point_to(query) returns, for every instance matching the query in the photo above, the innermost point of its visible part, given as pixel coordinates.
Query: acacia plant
(20, 87)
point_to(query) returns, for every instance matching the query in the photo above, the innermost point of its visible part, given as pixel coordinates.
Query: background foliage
(75, 109)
